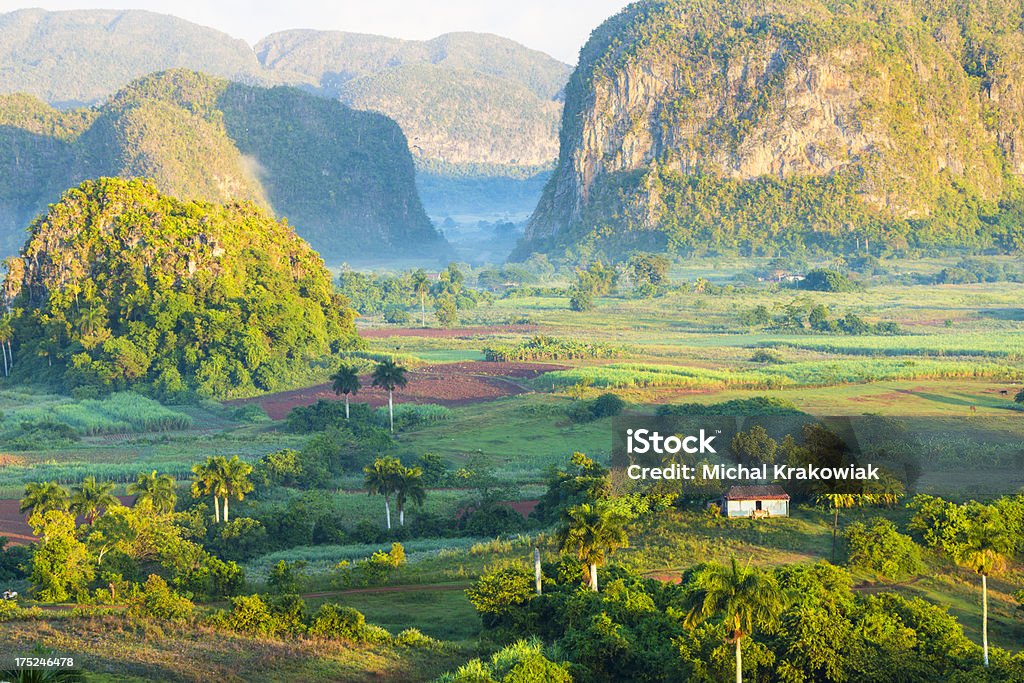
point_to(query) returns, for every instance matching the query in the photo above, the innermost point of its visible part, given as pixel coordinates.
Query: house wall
(744, 508)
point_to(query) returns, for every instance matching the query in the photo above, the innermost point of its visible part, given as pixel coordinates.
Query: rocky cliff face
(684, 112)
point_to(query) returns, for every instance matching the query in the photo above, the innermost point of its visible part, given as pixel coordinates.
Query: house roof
(769, 492)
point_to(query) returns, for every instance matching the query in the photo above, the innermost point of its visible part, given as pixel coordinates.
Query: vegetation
(541, 348)
(683, 166)
(104, 320)
(197, 137)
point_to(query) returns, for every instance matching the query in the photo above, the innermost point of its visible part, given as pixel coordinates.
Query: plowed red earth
(437, 333)
(17, 531)
(447, 384)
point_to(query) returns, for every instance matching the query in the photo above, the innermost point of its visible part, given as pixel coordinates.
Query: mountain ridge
(344, 177)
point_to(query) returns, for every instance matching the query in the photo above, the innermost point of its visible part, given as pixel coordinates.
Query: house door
(757, 505)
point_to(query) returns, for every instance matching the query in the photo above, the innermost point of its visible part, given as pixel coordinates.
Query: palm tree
(591, 532)
(156, 490)
(382, 480)
(420, 286)
(984, 552)
(209, 478)
(91, 497)
(838, 500)
(745, 597)
(390, 376)
(346, 381)
(6, 334)
(408, 487)
(236, 481)
(43, 497)
(92, 321)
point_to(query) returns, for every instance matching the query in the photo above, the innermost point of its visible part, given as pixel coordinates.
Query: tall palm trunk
(401, 516)
(423, 311)
(391, 412)
(216, 508)
(984, 615)
(225, 509)
(6, 372)
(537, 576)
(835, 531)
(346, 406)
(739, 663)
(387, 511)
(593, 577)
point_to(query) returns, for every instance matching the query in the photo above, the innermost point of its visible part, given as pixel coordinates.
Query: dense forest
(344, 178)
(121, 286)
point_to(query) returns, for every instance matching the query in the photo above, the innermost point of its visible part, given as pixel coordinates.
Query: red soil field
(447, 384)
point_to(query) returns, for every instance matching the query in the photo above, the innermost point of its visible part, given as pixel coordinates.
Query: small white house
(755, 501)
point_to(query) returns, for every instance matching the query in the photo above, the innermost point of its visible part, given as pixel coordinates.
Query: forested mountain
(752, 126)
(121, 286)
(81, 57)
(344, 178)
(469, 103)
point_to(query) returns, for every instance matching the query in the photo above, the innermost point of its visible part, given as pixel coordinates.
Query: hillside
(81, 57)
(716, 125)
(344, 178)
(469, 103)
(455, 96)
(119, 286)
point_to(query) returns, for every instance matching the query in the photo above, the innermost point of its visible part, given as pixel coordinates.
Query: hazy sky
(558, 27)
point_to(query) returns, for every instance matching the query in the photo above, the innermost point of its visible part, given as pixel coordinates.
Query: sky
(558, 27)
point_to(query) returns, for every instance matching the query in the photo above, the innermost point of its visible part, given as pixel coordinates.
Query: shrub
(249, 614)
(605, 405)
(1019, 398)
(396, 316)
(335, 621)
(157, 600)
(521, 662)
(825, 280)
(880, 548)
(747, 407)
(765, 356)
(542, 347)
(501, 593)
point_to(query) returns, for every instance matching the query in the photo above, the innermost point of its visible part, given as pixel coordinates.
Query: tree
(420, 287)
(754, 446)
(408, 487)
(61, 567)
(346, 381)
(591, 532)
(156, 490)
(838, 500)
(40, 498)
(210, 478)
(381, 480)
(236, 481)
(447, 310)
(389, 376)
(984, 552)
(745, 597)
(91, 497)
(1019, 398)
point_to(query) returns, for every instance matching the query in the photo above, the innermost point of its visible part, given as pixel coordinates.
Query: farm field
(489, 438)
